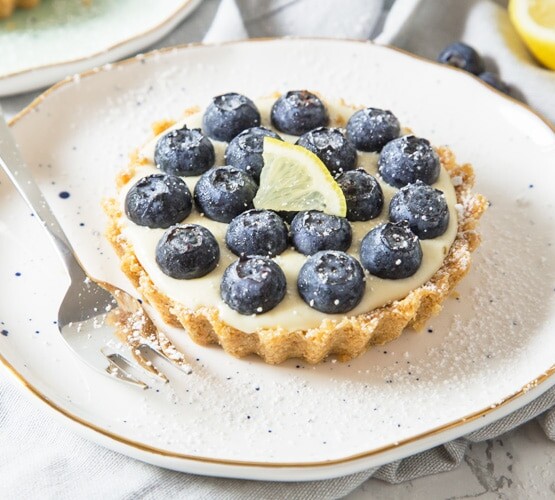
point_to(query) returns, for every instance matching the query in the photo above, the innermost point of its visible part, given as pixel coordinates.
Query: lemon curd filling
(292, 313)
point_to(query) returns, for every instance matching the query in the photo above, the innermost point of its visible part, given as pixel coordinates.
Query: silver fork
(83, 311)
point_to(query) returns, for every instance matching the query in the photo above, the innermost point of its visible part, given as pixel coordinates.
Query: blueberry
(188, 251)
(253, 285)
(495, 81)
(331, 282)
(158, 201)
(391, 251)
(257, 232)
(408, 159)
(423, 207)
(462, 56)
(222, 193)
(228, 115)
(245, 150)
(299, 111)
(371, 129)
(184, 152)
(287, 215)
(313, 231)
(363, 194)
(330, 145)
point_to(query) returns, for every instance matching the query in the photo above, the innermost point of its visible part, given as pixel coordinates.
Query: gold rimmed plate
(490, 351)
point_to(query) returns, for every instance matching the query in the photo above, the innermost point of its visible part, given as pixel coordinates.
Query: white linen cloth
(41, 458)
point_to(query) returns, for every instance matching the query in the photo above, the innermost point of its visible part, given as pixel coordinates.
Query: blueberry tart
(294, 226)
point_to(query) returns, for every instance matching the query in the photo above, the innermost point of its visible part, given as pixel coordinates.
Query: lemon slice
(294, 179)
(535, 22)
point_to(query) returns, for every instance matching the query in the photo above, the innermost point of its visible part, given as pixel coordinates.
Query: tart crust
(345, 338)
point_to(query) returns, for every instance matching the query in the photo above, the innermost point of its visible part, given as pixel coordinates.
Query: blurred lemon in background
(535, 22)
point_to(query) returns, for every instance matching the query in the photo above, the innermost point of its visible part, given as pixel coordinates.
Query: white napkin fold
(227, 24)
(240, 19)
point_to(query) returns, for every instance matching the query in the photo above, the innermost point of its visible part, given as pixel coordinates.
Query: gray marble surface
(519, 465)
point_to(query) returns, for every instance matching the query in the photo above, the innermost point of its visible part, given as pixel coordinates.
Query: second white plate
(62, 37)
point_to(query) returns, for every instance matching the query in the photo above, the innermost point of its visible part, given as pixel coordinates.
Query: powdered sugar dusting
(478, 337)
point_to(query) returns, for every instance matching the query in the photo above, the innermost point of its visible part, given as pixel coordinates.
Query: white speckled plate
(62, 37)
(242, 418)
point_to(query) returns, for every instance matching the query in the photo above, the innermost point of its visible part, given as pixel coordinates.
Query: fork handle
(20, 175)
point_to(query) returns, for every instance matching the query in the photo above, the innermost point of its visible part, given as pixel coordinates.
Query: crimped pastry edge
(345, 338)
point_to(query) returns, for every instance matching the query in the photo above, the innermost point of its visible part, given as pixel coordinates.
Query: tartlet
(294, 329)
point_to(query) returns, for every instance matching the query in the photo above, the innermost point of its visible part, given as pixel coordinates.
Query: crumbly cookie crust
(345, 338)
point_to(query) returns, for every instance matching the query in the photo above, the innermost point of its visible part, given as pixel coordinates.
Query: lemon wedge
(535, 22)
(294, 179)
